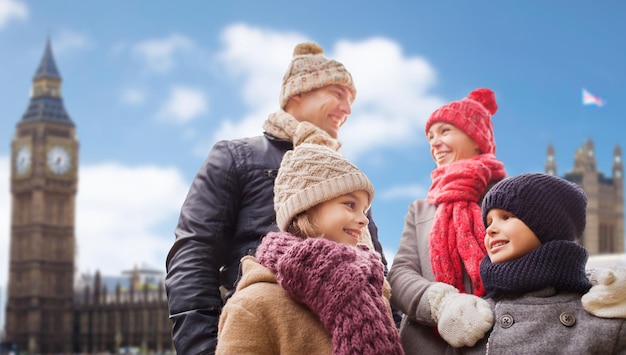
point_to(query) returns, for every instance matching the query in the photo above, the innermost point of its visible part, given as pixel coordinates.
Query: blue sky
(151, 85)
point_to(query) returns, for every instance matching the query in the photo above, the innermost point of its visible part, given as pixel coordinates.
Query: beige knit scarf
(283, 125)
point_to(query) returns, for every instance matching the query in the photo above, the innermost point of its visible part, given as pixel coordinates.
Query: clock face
(59, 160)
(22, 160)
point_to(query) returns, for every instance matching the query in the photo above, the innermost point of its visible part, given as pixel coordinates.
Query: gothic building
(604, 232)
(45, 312)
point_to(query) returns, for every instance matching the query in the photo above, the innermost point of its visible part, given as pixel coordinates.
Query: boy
(534, 273)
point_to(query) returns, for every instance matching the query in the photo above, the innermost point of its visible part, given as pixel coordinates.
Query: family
(276, 250)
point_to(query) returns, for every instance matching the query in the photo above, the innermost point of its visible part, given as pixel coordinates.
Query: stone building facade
(134, 316)
(46, 313)
(604, 233)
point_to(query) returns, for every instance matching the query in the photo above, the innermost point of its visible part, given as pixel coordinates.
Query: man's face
(327, 107)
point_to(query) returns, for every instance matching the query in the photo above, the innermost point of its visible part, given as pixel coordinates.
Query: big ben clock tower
(44, 161)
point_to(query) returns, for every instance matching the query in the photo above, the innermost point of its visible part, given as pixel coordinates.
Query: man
(229, 207)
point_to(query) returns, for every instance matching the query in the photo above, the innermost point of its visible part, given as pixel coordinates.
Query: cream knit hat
(310, 70)
(311, 174)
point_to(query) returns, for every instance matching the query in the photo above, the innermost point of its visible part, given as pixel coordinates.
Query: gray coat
(547, 322)
(410, 276)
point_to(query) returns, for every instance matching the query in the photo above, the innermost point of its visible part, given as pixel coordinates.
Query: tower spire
(46, 101)
(550, 161)
(47, 67)
(618, 165)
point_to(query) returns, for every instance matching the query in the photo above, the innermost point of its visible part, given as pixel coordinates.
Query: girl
(313, 288)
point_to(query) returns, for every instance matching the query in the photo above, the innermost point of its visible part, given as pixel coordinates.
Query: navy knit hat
(552, 207)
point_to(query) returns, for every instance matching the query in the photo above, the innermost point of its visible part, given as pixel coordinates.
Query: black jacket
(228, 209)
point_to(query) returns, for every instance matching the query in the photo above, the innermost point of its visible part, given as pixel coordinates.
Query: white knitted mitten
(607, 299)
(462, 319)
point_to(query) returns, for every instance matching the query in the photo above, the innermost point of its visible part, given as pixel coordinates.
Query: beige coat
(261, 318)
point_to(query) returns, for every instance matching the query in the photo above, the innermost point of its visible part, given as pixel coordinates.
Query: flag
(590, 99)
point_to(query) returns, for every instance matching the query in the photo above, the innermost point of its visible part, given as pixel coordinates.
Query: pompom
(486, 97)
(307, 48)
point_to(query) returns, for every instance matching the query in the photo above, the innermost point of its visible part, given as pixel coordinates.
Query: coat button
(506, 321)
(567, 319)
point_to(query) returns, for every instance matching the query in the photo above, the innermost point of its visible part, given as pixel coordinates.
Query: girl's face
(507, 237)
(449, 144)
(343, 218)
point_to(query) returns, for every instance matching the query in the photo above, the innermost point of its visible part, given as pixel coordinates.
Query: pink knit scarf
(458, 232)
(341, 284)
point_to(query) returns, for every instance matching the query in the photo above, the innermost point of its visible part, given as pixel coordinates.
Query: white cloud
(120, 216)
(260, 57)
(393, 99)
(159, 53)
(10, 10)
(390, 253)
(125, 216)
(133, 96)
(403, 191)
(183, 105)
(68, 40)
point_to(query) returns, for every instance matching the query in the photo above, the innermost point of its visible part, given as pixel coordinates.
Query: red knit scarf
(458, 232)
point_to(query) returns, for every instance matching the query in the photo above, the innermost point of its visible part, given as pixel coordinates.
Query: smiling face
(449, 144)
(327, 107)
(508, 237)
(343, 218)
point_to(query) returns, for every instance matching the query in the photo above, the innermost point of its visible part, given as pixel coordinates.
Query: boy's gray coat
(547, 322)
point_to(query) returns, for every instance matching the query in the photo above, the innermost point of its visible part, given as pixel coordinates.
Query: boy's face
(507, 237)
(343, 218)
(327, 107)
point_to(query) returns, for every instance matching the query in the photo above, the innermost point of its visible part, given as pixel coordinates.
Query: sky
(151, 85)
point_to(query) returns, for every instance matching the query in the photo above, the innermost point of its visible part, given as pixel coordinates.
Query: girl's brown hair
(303, 227)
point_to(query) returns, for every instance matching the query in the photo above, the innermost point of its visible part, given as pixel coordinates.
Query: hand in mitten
(607, 299)
(462, 319)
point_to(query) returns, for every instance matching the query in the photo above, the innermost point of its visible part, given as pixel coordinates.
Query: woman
(435, 276)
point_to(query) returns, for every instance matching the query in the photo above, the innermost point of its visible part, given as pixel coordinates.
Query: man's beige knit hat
(310, 70)
(311, 174)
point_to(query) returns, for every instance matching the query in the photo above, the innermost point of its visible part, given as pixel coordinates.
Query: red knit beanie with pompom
(473, 116)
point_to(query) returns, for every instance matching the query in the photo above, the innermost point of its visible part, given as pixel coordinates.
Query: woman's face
(449, 144)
